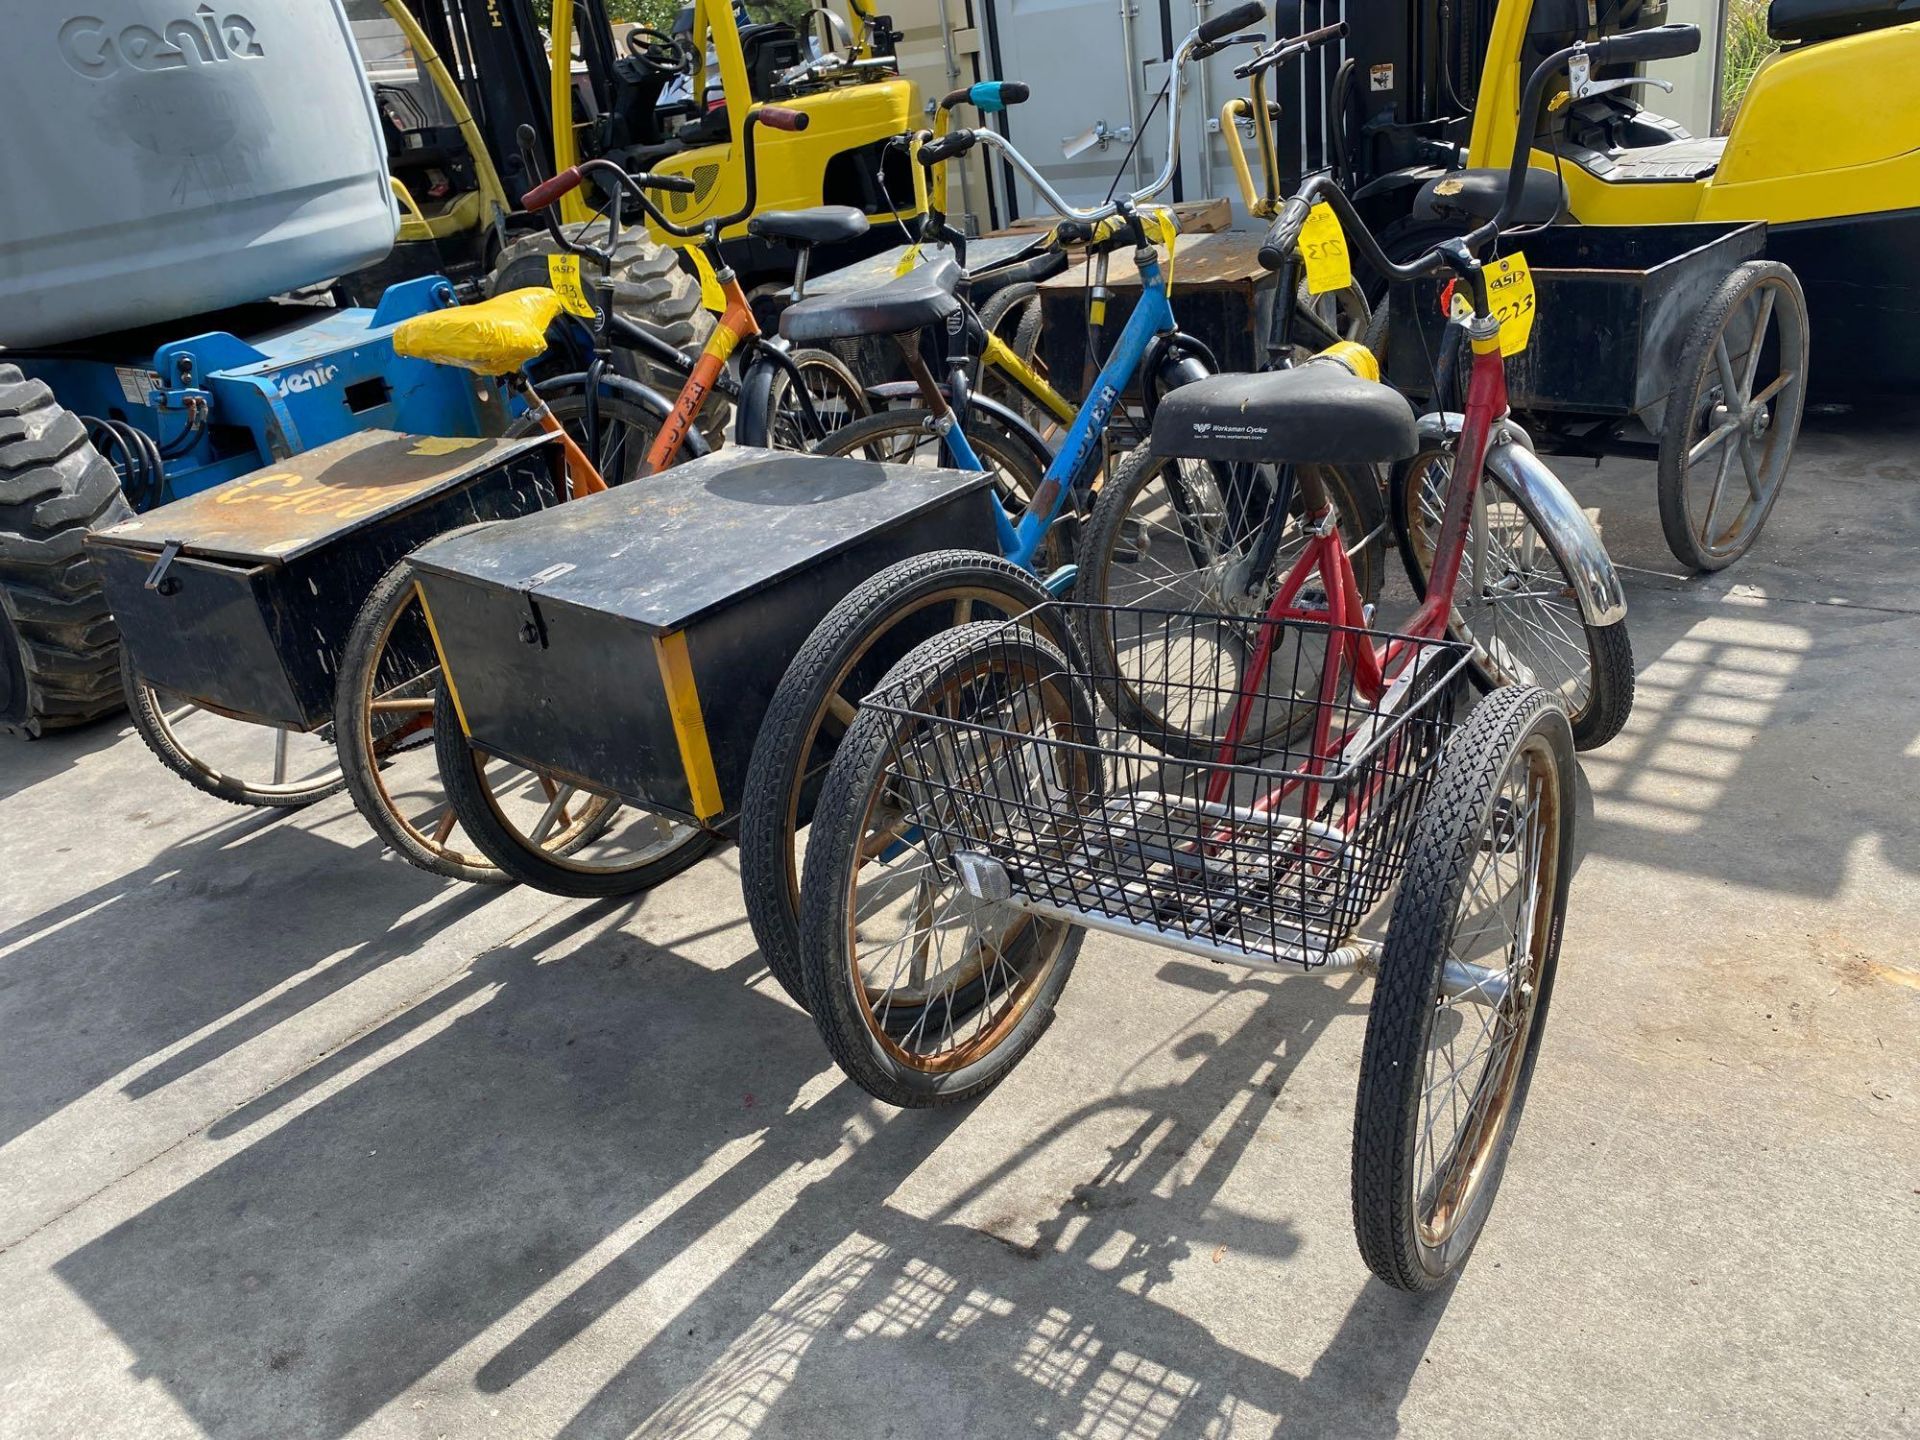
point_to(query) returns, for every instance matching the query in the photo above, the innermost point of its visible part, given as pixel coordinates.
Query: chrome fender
(1520, 472)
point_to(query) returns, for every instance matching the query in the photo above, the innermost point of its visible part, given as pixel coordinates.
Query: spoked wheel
(1179, 536)
(240, 761)
(1731, 426)
(910, 437)
(1344, 312)
(1461, 1000)
(925, 994)
(818, 698)
(1522, 617)
(838, 400)
(384, 713)
(523, 822)
(622, 432)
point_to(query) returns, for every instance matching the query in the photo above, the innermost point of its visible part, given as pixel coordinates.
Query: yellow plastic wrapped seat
(493, 337)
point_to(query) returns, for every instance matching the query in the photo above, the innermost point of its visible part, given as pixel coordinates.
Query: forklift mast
(1399, 95)
(498, 57)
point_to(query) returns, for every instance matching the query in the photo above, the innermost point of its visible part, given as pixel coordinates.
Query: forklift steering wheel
(657, 51)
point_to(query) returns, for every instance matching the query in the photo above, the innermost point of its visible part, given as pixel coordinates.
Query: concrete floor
(295, 1141)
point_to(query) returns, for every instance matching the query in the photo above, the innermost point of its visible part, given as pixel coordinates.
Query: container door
(1075, 55)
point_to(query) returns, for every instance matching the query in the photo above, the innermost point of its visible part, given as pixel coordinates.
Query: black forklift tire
(507, 848)
(774, 799)
(650, 287)
(59, 648)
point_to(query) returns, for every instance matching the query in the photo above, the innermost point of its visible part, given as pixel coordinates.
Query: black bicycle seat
(822, 225)
(1476, 195)
(1315, 415)
(915, 300)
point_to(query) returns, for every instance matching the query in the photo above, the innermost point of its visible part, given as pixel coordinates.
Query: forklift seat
(1471, 196)
(1790, 20)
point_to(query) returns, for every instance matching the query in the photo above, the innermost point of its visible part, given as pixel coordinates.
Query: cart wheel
(1461, 1000)
(846, 655)
(1175, 535)
(239, 761)
(1525, 625)
(383, 726)
(1731, 426)
(924, 994)
(516, 817)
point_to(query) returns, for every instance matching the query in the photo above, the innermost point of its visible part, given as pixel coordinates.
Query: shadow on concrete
(91, 987)
(431, 1177)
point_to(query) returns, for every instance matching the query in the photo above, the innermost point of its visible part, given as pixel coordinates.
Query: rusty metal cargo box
(241, 597)
(631, 641)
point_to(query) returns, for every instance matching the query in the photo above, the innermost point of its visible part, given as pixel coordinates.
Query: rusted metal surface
(241, 597)
(1200, 261)
(284, 509)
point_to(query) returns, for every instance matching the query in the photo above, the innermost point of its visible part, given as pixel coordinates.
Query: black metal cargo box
(240, 597)
(1615, 304)
(631, 641)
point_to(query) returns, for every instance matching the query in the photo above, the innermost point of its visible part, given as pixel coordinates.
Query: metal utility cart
(1678, 339)
(238, 600)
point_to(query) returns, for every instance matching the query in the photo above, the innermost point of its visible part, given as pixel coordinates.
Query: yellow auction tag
(712, 297)
(563, 274)
(1324, 247)
(1510, 289)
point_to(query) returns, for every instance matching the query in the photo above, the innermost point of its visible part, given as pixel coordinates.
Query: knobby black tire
(1610, 687)
(467, 791)
(829, 984)
(1426, 912)
(59, 648)
(844, 656)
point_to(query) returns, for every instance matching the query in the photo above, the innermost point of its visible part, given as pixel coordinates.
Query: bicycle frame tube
(1079, 452)
(996, 354)
(735, 324)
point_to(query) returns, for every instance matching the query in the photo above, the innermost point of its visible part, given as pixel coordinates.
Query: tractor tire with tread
(59, 647)
(650, 288)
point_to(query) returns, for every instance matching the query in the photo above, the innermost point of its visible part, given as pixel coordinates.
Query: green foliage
(657, 13)
(1747, 45)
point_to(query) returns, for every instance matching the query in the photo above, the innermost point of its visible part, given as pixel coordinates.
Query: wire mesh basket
(1201, 783)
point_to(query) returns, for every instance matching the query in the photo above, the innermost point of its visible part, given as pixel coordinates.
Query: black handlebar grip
(778, 117)
(956, 97)
(1335, 31)
(1241, 17)
(548, 191)
(1284, 234)
(679, 184)
(1667, 42)
(946, 147)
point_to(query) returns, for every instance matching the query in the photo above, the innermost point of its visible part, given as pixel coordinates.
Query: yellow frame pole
(491, 190)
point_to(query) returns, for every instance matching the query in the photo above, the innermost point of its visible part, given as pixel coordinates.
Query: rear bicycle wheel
(1178, 536)
(912, 437)
(924, 994)
(1524, 620)
(860, 639)
(837, 394)
(1461, 1000)
(516, 816)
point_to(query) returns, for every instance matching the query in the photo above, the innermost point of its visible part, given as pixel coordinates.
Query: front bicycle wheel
(925, 994)
(1461, 1000)
(858, 642)
(1178, 536)
(623, 429)
(1523, 619)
